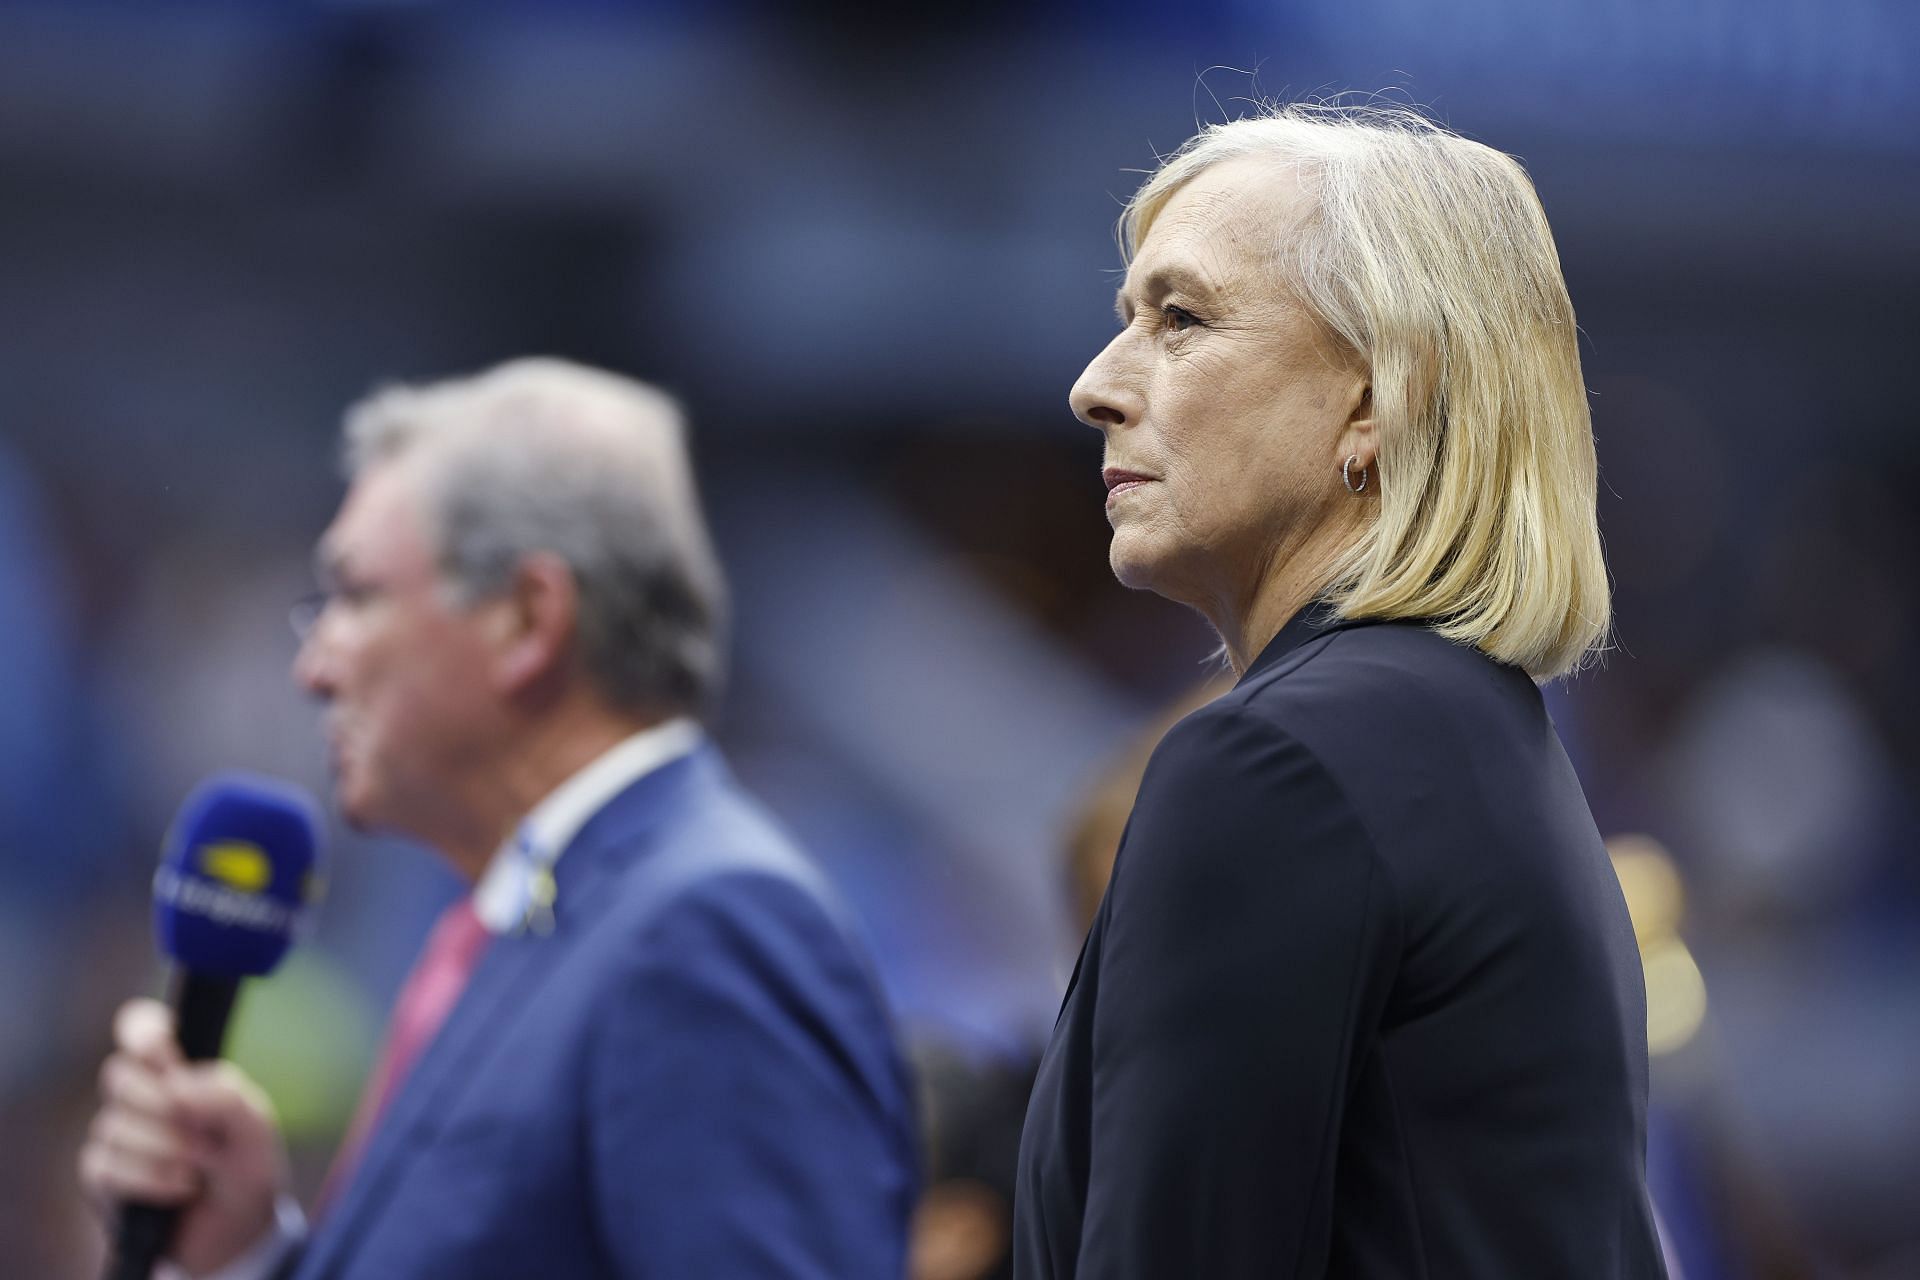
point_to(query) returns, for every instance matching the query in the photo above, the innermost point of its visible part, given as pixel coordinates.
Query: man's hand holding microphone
(185, 1147)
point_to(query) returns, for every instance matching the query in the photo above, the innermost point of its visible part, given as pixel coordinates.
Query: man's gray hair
(544, 455)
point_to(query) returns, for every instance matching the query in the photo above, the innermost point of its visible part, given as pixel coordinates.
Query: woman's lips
(1119, 481)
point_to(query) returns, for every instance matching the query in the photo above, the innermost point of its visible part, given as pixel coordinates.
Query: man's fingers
(202, 1097)
(216, 1096)
(128, 1083)
(142, 1137)
(143, 1029)
(118, 1177)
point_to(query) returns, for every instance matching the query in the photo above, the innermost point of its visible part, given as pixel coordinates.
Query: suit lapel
(505, 981)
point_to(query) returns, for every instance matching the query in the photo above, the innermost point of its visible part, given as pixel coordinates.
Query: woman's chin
(1132, 571)
(1137, 562)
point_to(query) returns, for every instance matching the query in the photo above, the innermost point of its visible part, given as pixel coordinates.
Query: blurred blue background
(871, 251)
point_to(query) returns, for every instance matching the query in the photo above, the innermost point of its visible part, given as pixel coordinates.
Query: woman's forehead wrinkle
(1187, 257)
(1218, 237)
(1231, 230)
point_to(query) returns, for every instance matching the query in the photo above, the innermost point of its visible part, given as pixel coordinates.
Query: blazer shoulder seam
(1378, 863)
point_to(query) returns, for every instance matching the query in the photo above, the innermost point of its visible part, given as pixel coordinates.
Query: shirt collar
(500, 898)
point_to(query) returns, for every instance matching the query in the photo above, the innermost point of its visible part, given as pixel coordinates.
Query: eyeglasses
(351, 596)
(306, 611)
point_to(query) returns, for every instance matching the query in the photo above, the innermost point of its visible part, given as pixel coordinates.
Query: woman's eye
(1176, 319)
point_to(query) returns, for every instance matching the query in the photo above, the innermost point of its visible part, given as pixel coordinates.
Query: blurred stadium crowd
(871, 255)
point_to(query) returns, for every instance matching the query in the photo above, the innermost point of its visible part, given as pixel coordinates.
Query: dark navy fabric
(1363, 999)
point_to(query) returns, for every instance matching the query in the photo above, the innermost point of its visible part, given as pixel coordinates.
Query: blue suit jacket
(692, 1076)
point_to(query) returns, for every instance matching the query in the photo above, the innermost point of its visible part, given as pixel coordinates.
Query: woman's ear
(1359, 443)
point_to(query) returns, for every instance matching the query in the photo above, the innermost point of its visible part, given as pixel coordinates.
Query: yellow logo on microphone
(236, 864)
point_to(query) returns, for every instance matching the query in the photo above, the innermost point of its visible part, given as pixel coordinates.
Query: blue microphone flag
(238, 875)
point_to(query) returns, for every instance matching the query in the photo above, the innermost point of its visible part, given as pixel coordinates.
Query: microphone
(238, 875)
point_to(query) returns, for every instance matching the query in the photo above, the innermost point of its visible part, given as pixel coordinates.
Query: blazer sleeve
(747, 1116)
(1249, 946)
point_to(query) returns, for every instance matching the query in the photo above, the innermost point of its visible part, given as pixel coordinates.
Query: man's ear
(539, 618)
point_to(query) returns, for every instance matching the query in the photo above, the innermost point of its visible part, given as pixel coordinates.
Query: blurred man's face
(401, 667)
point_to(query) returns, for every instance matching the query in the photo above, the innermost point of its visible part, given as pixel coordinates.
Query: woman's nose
(1106, 393)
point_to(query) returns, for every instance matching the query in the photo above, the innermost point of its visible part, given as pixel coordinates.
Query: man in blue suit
(648, 1043)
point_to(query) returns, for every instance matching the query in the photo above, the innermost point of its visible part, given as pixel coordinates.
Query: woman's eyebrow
(1162, 281)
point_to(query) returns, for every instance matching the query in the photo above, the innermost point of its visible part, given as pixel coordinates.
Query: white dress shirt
(502, 897)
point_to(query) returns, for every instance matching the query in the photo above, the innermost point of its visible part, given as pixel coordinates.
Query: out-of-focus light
(1655, 897)
(307, 1034)
(1676, 996)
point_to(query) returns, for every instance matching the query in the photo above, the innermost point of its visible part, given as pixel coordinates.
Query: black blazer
(1363, 999)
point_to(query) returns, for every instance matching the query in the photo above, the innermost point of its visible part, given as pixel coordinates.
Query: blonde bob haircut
(1429, 257)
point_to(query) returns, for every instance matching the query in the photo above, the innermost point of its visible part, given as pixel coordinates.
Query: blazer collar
(546, 832)
(1314, 620)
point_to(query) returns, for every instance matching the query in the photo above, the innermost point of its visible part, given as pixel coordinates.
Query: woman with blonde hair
(1362, 999)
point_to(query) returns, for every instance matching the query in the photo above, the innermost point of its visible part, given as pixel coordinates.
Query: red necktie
(431, 990)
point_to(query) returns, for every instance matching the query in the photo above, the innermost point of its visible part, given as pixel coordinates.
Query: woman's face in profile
(1225, 410)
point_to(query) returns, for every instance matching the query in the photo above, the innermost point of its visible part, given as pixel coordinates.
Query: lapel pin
(541, 892)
